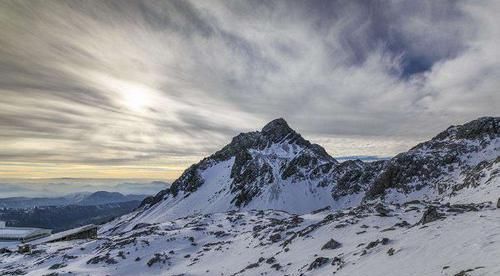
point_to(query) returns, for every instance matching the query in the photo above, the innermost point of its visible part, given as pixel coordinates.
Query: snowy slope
(373, 239)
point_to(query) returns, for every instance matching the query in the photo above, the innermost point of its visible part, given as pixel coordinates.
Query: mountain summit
(276, 168)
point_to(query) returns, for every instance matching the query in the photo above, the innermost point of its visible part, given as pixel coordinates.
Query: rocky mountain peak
(277, 128)
(259, 160)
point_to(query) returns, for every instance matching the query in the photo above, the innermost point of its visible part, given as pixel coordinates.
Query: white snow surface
(240, 243)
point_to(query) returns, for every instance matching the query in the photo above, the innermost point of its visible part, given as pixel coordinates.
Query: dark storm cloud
(111, 82)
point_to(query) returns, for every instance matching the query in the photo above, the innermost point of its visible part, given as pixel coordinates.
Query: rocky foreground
(416, 238)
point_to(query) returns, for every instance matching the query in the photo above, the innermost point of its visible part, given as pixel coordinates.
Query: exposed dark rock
(382, 210)
(318, 262)
(152, 200)
(102, 258)
(331, 244)
(275, 237)
(141, 225)
(270, 260)
(464, 272)
(276, 266)
(430, 215)
(250, 266)
(372, 244)
(338, 261)
(158, 258)
(57, 266)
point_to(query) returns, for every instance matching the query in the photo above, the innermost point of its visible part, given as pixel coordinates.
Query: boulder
(430, 215)
(331, 244)
(319, 262)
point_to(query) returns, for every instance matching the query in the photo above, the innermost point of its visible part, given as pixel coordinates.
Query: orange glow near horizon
(34, 171)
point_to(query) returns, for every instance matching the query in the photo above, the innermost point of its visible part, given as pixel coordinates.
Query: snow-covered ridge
(276, 168)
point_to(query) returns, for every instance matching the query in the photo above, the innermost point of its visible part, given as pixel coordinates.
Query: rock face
(446, 164)
(276, 168)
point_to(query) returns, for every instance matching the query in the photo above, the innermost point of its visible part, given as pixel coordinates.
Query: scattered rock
(372, 244)
(331, 244)
(319, 262)
(464, 272)
(276, 266)
(270, 260)
(158, 258)
(382, 210)
(250, 266)
(57, 266)
(275, 237)
(430, 215)
(141, 225)
(338, 261)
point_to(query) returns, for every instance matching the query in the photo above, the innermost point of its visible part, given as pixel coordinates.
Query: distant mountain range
(61, 213)
(58, 187)
(82, 199)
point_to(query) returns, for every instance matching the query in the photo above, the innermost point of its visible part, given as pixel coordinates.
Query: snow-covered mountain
(257, 207)
(276, 168)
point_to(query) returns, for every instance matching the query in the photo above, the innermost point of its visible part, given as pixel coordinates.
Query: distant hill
(61, 213)
(60, 218)
(83, 199)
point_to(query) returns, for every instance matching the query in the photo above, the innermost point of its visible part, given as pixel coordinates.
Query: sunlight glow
(135, 99)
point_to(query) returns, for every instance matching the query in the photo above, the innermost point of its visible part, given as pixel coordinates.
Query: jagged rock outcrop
(445, 164)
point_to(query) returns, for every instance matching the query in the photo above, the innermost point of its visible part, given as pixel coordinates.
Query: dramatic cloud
(144, 88)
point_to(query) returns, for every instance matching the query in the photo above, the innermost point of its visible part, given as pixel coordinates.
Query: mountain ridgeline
(276, 168)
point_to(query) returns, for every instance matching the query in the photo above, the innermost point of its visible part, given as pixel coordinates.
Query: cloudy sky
(144, 88)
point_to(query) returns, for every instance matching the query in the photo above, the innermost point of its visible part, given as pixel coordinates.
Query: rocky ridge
(261, 168)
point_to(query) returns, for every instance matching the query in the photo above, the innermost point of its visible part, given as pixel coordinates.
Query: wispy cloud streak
(162, 83)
